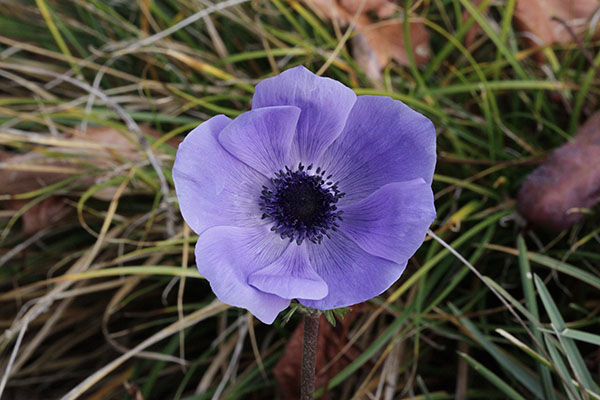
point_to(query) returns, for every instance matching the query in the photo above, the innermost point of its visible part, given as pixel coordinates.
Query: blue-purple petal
(213, 187)
(291, 276)
(227, 255)
(384, 141)
(325, 105)
(392, 222)
(262, 138)
(351, 274)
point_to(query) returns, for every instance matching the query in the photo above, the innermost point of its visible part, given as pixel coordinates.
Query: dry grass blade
(132, 125)
(11, 360)
(217, 363)
(44, 303)
(181, 24)
(215, 308)
(482, 279)
(184, 264)
(96, 96)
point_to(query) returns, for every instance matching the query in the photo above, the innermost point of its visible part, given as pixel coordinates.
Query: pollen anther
(302, 206)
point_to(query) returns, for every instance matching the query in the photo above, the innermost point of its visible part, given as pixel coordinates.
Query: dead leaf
(330, 10)
(34, 170)
(475, 29)
(543, 21)
(330, 341)
(383, 8)
(24, 173)
(27, 172)
(46, 213)
(367, 59)
(378, 40)
(556, 194)
(539, 18)
(387, 41)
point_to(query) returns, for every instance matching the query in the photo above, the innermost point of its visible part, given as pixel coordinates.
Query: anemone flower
(315, 194)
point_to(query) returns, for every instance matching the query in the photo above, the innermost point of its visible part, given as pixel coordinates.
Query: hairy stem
(309, 355)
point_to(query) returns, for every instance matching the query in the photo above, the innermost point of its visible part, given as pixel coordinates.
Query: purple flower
(315, 194)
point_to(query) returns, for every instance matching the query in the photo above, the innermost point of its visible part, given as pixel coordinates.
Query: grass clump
(105, 302)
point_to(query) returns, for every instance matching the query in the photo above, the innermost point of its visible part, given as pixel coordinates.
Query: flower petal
(384, 141)
(213, 187)
(262, 138)
(291, 276)
(325, 105)
(227, 255)
(351, 274)
(391, 223)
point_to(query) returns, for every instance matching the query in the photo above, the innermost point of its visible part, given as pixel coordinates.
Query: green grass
(107, 302)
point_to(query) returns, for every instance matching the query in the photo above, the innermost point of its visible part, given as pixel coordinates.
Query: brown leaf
(31, 171)
(330, 341)
(27, 172)
(366, 58)
(329, 10)
(555, 194)
(383, 8)
(383, 38)
(475, 29)
(543, 21)
(387, 41)
(538, 18)
(42, 215)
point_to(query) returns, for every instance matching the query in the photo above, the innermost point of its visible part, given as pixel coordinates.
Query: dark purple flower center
(302, 204)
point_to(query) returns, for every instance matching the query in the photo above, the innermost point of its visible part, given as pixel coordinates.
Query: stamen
(302, 206)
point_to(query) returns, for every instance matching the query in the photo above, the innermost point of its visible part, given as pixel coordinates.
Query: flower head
(315, 194)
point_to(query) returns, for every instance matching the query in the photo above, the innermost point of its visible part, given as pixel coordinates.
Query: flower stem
(309, 355)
